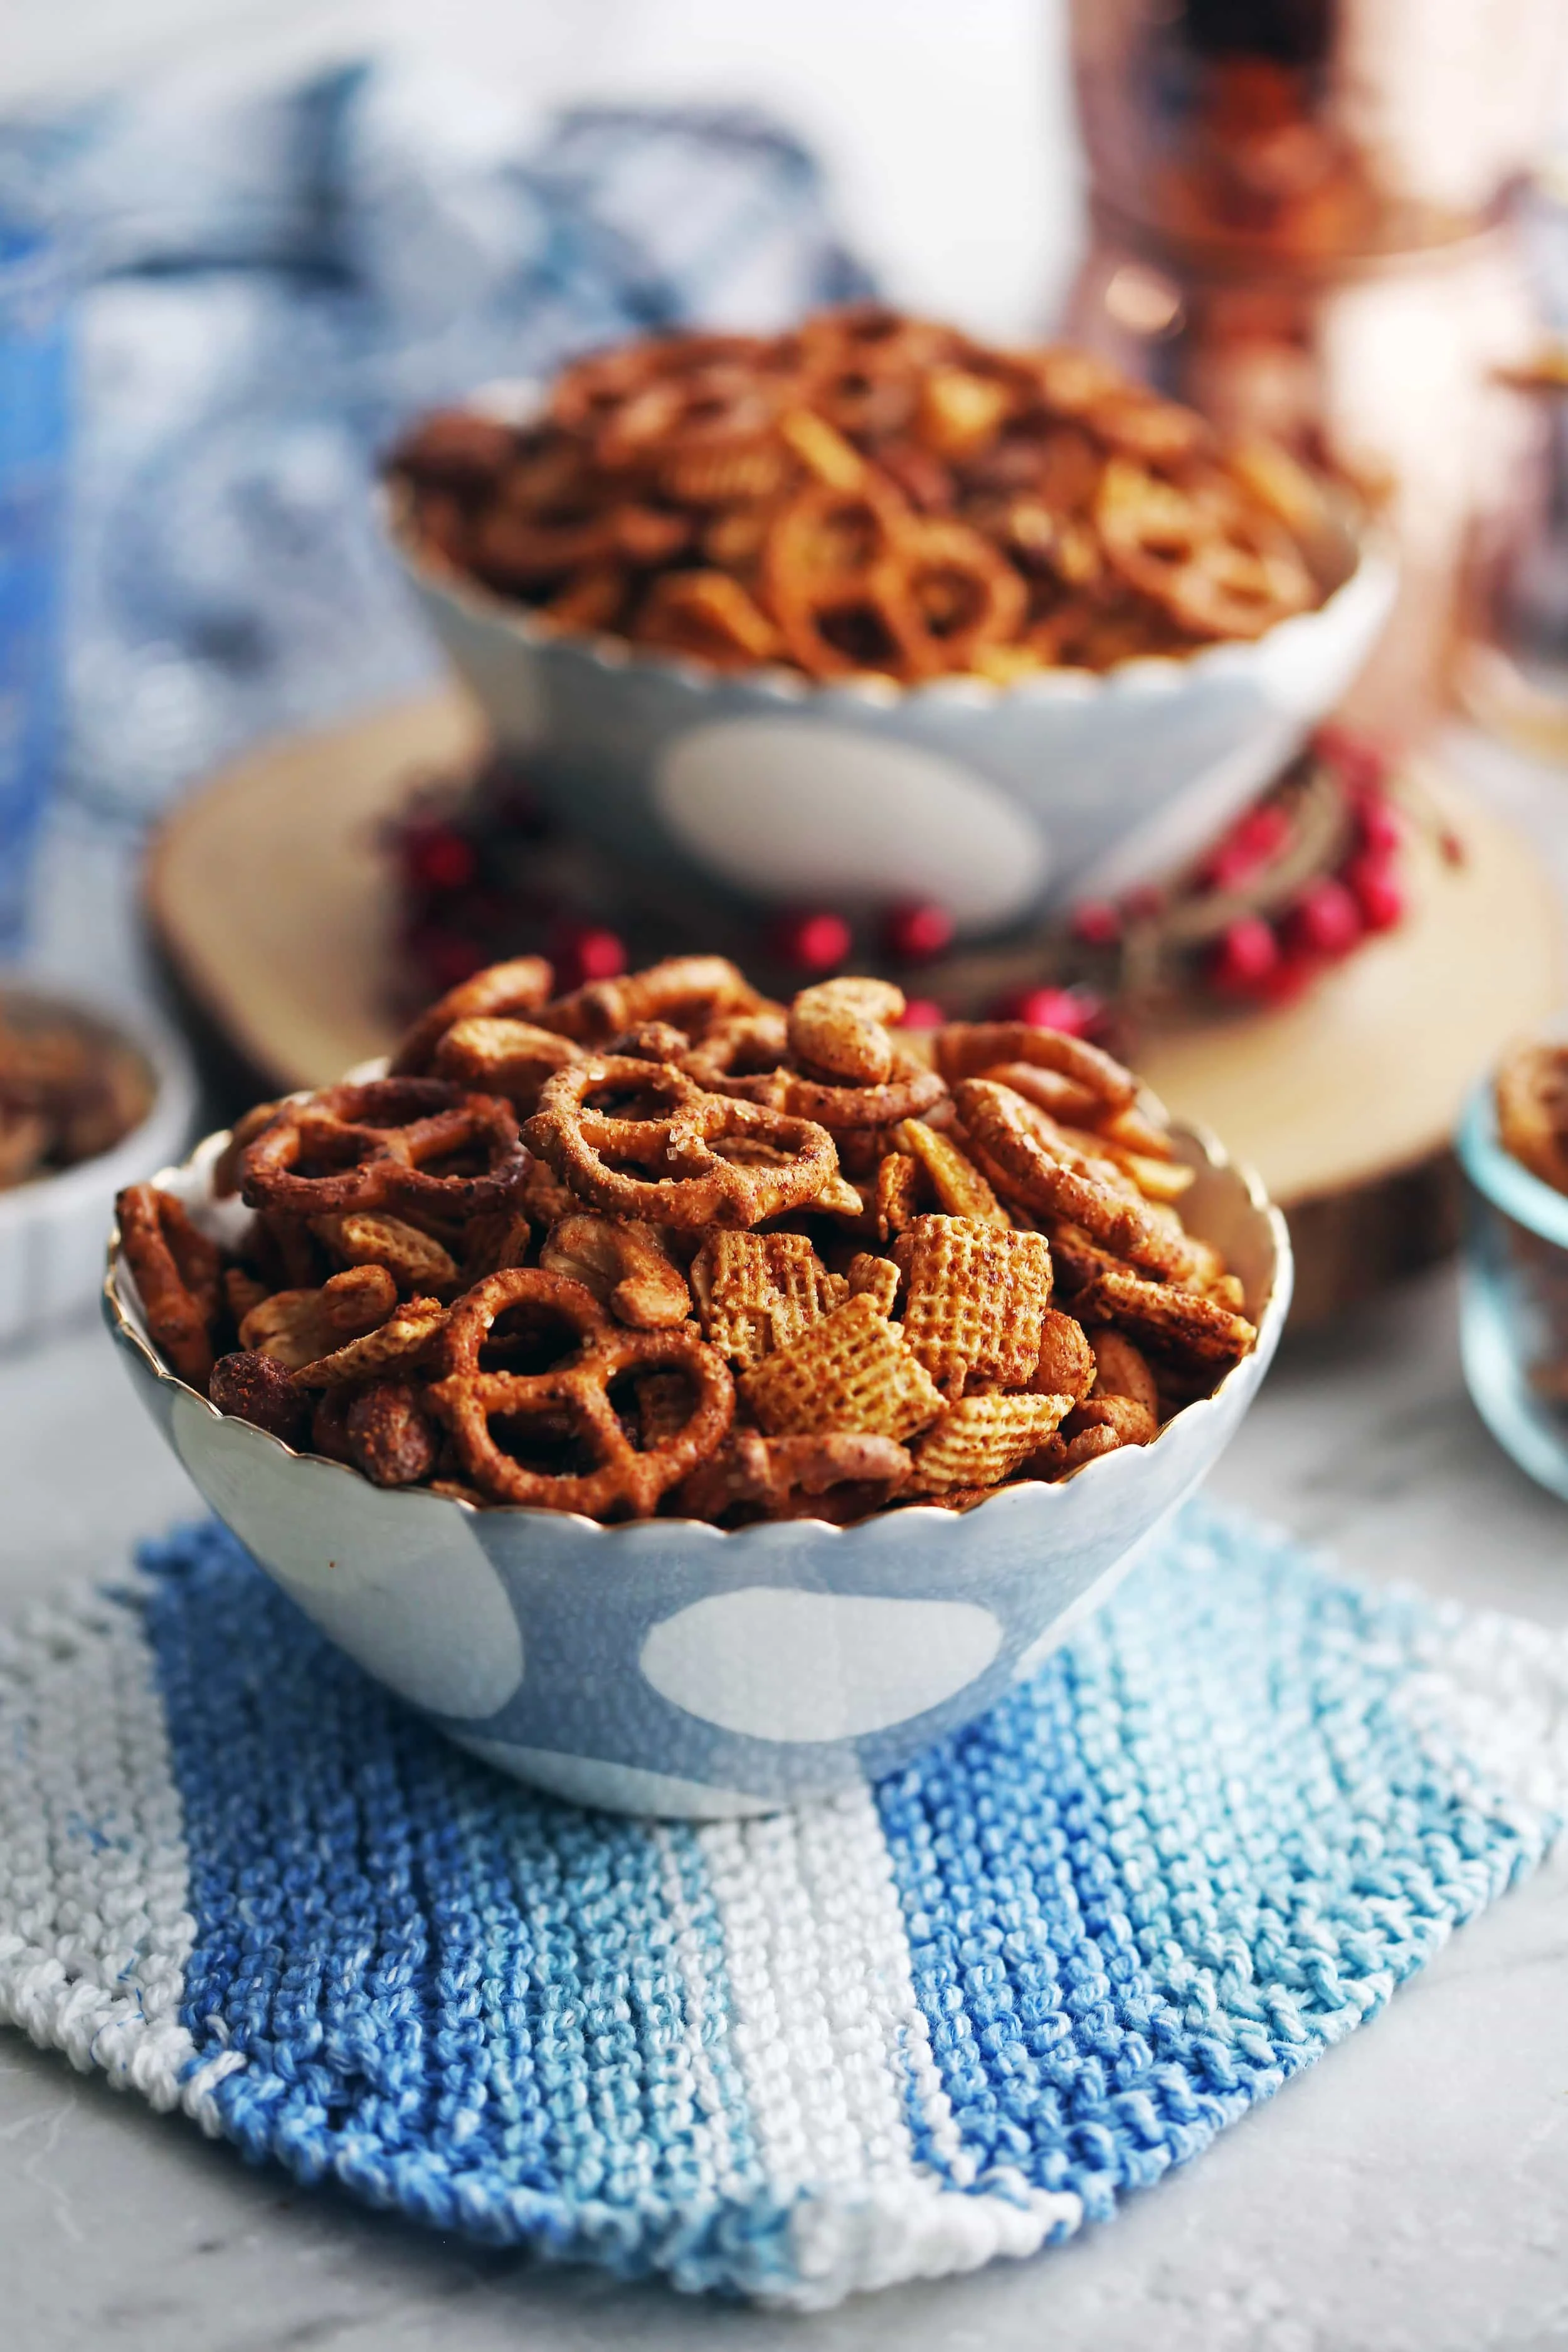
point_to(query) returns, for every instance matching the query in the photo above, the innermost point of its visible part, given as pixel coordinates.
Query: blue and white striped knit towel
(953, 2016)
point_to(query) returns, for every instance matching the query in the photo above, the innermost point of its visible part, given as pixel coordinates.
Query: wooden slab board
(273, 904)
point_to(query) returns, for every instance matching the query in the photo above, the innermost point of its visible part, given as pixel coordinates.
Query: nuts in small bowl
(694, 1400)
(87, 1100)
(875, 606)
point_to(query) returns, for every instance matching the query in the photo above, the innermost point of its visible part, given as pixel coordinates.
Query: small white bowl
(996, 802)
(51, 1230)
(672, 1668)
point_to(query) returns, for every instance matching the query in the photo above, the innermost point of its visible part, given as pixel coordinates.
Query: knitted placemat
(949, 2017)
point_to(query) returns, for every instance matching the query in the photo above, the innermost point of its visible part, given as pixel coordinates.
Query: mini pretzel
(625, 1267)
(963, 1049)
(838, 1030)
(503, 992)
(371, 1145)
(1166, 1315)
(689, 992)
(1219, 575)
(177, 1273)
(625, 1481)
(911, 1088)
(1012, 1154)
(681, 1129)
(225, 1167)
(834, 576)
(530, 549)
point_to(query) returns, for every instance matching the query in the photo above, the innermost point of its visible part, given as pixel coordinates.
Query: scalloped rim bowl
(996, 800)
(667, 1667)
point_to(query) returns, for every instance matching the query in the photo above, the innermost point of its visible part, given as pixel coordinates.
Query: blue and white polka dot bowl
(667, 1667)
(996, 802)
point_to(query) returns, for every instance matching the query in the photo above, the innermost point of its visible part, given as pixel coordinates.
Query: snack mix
(69, 1091)
(870, 493)
(661, 1245)
(1530, 1095)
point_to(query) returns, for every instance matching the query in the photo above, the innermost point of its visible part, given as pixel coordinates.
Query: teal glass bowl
(1513, 1299)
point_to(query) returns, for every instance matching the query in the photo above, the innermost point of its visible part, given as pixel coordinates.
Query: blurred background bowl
(51, 1228)
(997, 801)
(667, 1667)
(1513, 1297)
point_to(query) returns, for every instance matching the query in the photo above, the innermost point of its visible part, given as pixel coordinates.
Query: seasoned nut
(624, 1265)
(256, 1387)
(1067, 1360)
(1123, 1371)
(389, 1436)
(295, 1327)
(502, 1058)
(839, 1029)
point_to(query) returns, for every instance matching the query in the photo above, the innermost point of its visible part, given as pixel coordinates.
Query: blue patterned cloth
(955, 2015)
(271, 285)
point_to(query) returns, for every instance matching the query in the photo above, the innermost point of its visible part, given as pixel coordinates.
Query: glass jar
(1513, 1298)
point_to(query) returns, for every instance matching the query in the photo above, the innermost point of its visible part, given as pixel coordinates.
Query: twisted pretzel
(689, 992)
(1002, 1131)
(575, 1391)
(673, 393)
(506, 992)
(910, 1089)
(367, 1147)
(834, 577)
(965, 1048)
(177, 1277)
(676, 1127)
(1219, 572)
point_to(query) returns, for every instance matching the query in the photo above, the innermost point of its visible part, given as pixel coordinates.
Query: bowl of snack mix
(694, 1403)
(1514, 1310)
(873, 612)
(87, 1103)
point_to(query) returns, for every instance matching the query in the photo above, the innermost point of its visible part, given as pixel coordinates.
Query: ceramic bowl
(668, 1668)
(996, 802)
(51, 1230)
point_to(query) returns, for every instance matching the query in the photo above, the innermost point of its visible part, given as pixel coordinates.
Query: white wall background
(944, 123)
